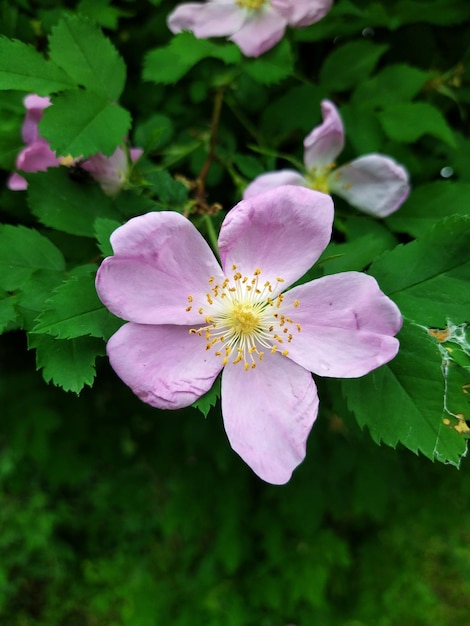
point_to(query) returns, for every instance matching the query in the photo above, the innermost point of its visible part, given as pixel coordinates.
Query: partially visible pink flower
(111, 172)
(37, 155)
(374, 183)
(254, 25)
(189, 318)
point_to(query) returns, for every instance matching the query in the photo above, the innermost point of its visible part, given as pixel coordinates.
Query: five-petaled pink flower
(373, 183)
(189, 318)
(254, 25)
(110, 172)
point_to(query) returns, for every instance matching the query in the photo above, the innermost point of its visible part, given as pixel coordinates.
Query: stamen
(241, 319)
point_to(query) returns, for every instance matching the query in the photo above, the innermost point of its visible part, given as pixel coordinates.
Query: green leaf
(272, 66)
(154, 133)
(74, 310)
(62, 203)
(408, 122)
(8, 311)
(23, 68)
(34, 294)
(69, 364)
(393, 85)
(170, 192)
(350, 64)
(353, 255)
(168, 64)
(22, 252)
(428, 278)
(103, 230)
(407, 401)
(81, 123)
(80, 48)
(209, 399)
(429, 203)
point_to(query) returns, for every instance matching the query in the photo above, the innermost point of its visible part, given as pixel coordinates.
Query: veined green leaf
(80, 48)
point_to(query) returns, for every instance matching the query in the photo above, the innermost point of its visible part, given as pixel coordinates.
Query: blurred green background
(113, 514)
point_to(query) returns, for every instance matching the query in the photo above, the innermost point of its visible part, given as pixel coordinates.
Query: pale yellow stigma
(243, 319)
(318, 178)
(251, 4)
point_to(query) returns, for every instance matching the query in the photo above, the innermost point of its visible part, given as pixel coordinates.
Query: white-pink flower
(112, 173)
(374, 183)
(189, 318)
(254, 25)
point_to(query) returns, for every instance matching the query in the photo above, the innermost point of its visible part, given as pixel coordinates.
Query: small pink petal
(300, 13)
(160, 263)
(135, 153)
(164, 366)
(282, 232)
(214, 19)
(347, 325)
(261, 31)
(36, 157)
(268, 413)
(16, 182)
(326, 141)
(35, 106)
(271, 180)
(373, 183)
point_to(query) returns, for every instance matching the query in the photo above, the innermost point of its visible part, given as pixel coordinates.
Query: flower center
(251, 4)
(243, 319)
(318, 178)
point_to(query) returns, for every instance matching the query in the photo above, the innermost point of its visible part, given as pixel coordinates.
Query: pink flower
(37, 155)
(111, 172)
(189, 318)
(254, 25)
(373, 183)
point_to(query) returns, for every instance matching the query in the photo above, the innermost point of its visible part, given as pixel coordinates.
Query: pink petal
(214, 19)
(326, 141)
(262, 30)
(164, 366)
(347, 325)
(271, 180)
(110, 172)
(136, 153)
(301, 13)
(35, 106)
(160, 261)
(282, 232)
(37, 157)
(16, 182)
(374, 183)
(268, 413)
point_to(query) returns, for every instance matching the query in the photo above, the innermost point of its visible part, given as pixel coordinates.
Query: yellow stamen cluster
(242, 316)
(318, 178)
(251, 4)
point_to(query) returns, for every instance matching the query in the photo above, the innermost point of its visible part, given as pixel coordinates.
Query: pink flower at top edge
(110, 172)
(254, 25)
(374, 183)
(188, 319)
